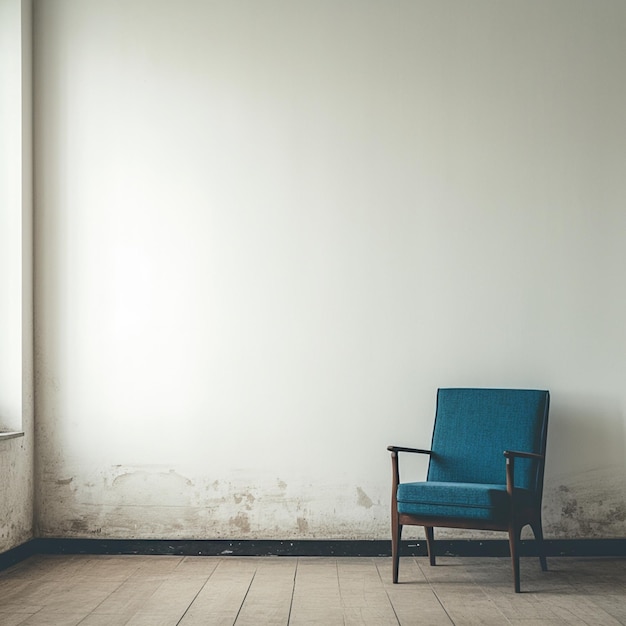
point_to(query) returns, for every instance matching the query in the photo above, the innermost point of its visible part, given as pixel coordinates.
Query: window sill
(11, 435)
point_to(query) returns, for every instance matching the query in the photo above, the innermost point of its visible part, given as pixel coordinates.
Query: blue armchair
(485, 470)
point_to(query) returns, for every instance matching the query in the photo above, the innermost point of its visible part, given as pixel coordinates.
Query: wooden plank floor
(55, 590)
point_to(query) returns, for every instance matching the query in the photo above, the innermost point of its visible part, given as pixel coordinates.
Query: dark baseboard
(328, 548)
(252, 547)
(17, 554)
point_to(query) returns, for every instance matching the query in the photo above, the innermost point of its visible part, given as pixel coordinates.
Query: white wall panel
(268, 231)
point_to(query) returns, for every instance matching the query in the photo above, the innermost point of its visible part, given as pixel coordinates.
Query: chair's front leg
(396, 536)
(514, 537)
(396, 527)
(514, 529)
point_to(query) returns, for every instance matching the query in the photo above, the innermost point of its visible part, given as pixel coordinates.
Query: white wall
(268, 231)
(16, 285)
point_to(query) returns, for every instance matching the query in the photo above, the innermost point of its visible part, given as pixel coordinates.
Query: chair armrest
(403, 449)
(395, 468)
(524, 455)
(511, 455)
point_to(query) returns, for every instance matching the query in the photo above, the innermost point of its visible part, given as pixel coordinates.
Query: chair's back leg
(541, 549)
(430, 543)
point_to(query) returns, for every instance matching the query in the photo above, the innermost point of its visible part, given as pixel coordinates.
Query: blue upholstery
(489, 502)
(473, 427)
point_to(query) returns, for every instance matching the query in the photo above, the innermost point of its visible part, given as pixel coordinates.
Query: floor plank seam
(206, 582)
(382, 582)
(293, 591)
(243, 601)
(432, 588)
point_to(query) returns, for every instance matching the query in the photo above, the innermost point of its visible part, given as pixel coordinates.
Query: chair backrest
(473, 427)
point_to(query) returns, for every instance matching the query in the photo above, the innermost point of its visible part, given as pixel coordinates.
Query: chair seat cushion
(459, 500)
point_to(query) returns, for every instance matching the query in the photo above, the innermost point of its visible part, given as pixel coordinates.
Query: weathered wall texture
(16, 285)
(267, 232)
(16, 492)
(154, 502)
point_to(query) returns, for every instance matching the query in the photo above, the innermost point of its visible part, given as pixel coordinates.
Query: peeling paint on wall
(363, 499)
(241, 523)
(588, 505)
(155, 502)
(16, 507)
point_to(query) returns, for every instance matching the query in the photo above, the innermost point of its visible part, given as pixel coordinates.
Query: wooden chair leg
(541, 549)
(396, 535)
(514, 536)
(430, 543)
